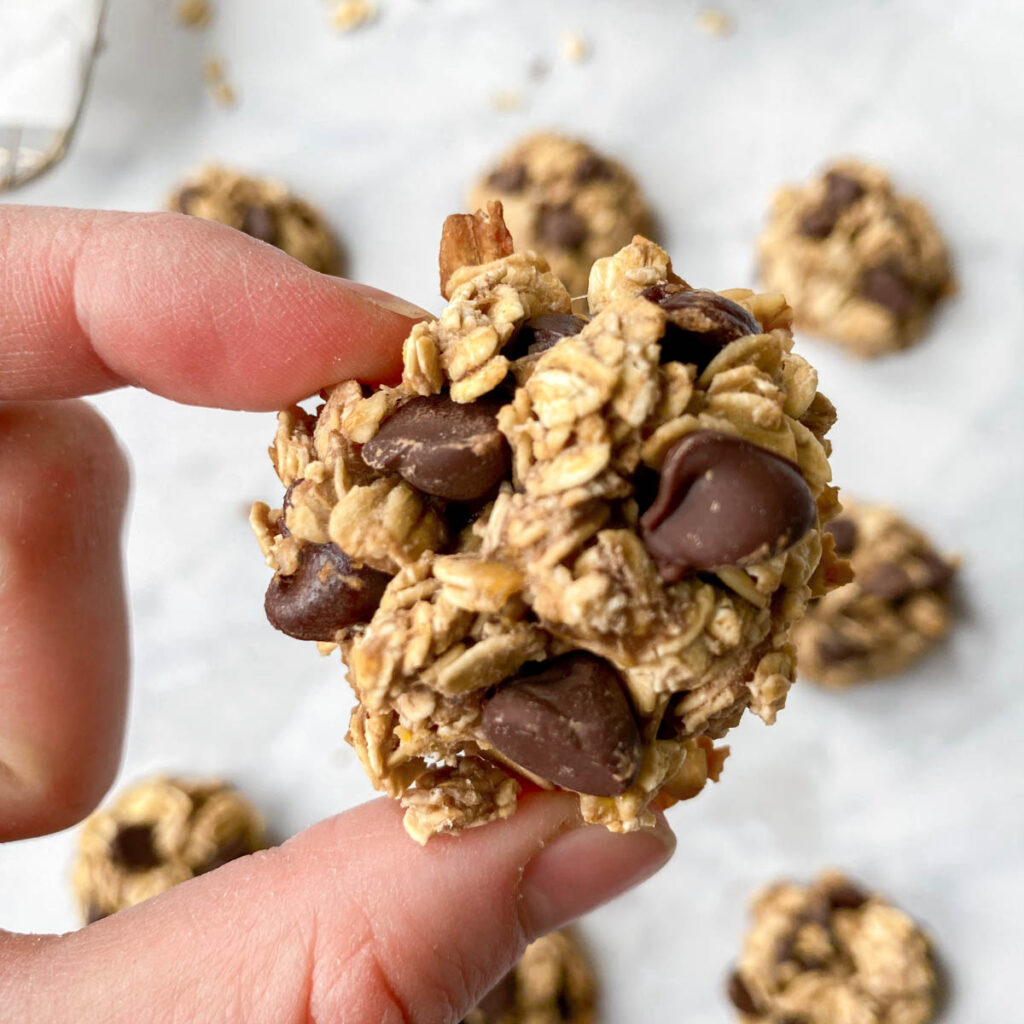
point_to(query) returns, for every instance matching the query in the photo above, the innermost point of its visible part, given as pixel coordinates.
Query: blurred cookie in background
(832, 953)
(155, 834)
(551, 984)
(859, 263)
(263, 209)
(896, 608)
(565, 201)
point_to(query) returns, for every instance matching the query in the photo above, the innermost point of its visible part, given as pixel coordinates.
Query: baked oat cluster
(158, 833)
(263, 209)
(896, 608)
(830, 953)
(860, 263)
(566, 201)
(564, 549)
(551, 984)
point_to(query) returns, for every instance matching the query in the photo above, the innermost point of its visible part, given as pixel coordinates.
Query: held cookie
(896, 608)
(859, 263)
(551, 984)
(563, 549)
(262, 209)
(156, 834)
(566, 201)
(831, 953)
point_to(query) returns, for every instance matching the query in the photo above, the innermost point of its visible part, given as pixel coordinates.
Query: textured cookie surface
(566, 201)
(263, 209)
(576, 546)
(858, 262)
(551, 984)
(895, 609)
(830, 953)
(156, 834)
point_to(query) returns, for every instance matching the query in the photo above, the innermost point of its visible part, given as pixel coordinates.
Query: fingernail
(581, 869)
(390, 302)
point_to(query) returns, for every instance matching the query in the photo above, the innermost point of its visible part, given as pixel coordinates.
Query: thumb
(349, 921)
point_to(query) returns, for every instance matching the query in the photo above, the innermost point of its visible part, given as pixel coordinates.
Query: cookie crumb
(575, 48)
(714, 22)
(349, 15)
(194, 13)
(217, 84)
(507, 100)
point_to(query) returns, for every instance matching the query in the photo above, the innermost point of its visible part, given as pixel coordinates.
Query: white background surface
(916, 785)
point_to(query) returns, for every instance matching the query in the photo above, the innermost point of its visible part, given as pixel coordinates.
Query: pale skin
(350, 921)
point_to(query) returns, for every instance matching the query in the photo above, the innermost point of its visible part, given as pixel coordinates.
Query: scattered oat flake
(352, 14)
(194, 13)
(507, 100)
(715, 22)
(217, 83)
(575, 47)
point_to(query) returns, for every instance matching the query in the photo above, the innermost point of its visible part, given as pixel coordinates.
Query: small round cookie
(551, 984)
(157, 833)
(566, 201)
(262, 209)
(896, 608)
(859, 263)
(830, 953)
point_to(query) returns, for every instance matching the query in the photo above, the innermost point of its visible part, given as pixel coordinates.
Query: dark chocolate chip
(700, 323)
(841, 192)
(592, 168)
(561, 226)
(844, 533)
(509, 179)
(887, 286)
(540, 333)
(834, 649)
(231, 850)
(846, 897)
(442, 447)
(326, 593)
(186, 197)
(133, 848)
(568, 721)
(259, 222)
(887, 581)
(739, 995)
(500, 1000)
(724, 501)
(819, 222)
(938, 572)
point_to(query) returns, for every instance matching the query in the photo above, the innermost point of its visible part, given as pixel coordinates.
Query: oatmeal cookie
(860, 263)
(566, 201)
(263, 209)
(158, 833)
(896, 608)
(562, 549)
(830, 953)
(551, 984)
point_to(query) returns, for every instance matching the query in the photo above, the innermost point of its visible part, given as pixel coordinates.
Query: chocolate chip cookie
(896, 608)
(831, 953)
(551, 984)
(565, 549)
(156, 834)
(859, 263)
(566, 201)
(262, 209)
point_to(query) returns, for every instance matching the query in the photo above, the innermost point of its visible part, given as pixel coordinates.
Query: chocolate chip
(259, 222)
(133, 848)
(887, 286)
(844, 534)
(739, 995)
(326, 593)
(561, 226)
(887, 581)
(592, 168)
(509, 179)
(500, 1000)
(442, 447)
(231, 850)
(700, 323)
(94, 914)
(834, 649)
(841, 192)
(568, 721)
(540, 333)
(846, 897)
(724, 501)
(186, 197)
(938, 572)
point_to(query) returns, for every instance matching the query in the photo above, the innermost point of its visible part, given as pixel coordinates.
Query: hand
(350, 920)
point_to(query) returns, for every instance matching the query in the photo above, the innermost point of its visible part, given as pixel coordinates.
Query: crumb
(352, 14)
(194, 13)
(575, 48)
(508, 100)
(715, 22)
(217, 83)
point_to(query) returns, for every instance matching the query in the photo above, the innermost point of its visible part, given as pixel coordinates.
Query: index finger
(183, 307)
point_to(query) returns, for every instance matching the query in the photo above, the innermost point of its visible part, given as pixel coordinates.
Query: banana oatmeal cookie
(859, 263)
(896, 608)
(551, 984)
(830, 953)
(566, 201)
(262, 209)
(158, 833)
(562, 549)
